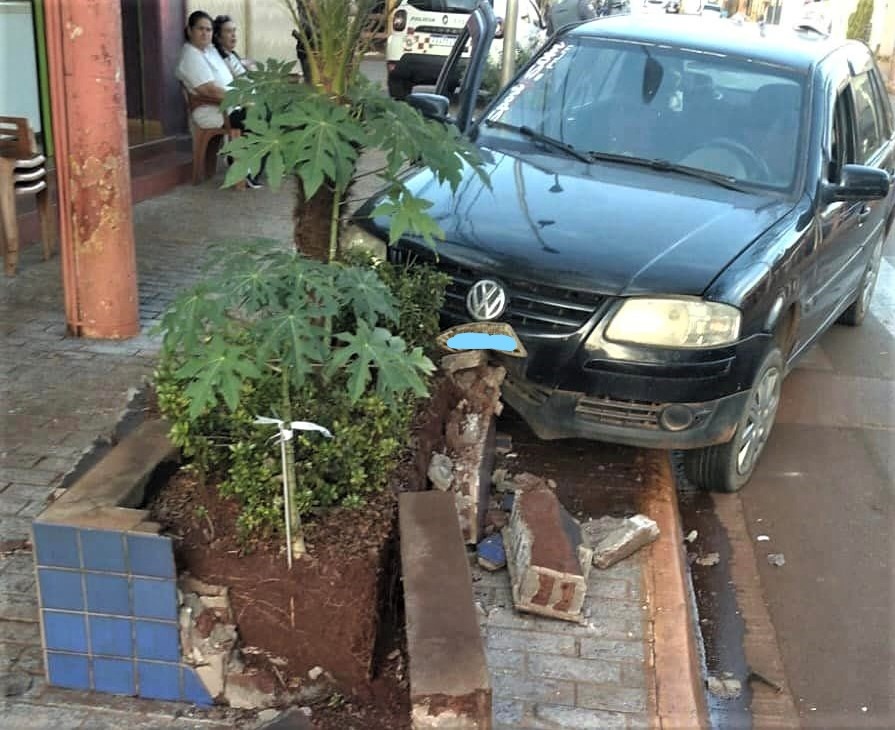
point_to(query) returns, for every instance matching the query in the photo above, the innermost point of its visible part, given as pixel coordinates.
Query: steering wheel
(757, 168)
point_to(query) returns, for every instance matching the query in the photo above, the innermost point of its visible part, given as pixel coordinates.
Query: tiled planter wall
(108, 613)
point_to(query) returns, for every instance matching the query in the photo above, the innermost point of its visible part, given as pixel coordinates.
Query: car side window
(842, 147)
(868, 128)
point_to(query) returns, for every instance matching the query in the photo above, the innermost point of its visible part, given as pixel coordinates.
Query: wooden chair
(206, 142)
(22, 172)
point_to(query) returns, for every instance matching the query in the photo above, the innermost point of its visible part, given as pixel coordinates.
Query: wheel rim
(763, 402)
(870, 276)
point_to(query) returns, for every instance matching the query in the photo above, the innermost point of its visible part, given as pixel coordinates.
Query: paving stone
(614, 650)
(14, 528)
(532, 641)
(508, 713)
(506, 659)
(508, 684)
(17, 607)
(575, 717)
(19, 632)
(22, 716)
(613, 698)
(34, 476)
(576, 670)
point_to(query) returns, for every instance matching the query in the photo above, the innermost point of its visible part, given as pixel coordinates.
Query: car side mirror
(431, 106)
(858, 182)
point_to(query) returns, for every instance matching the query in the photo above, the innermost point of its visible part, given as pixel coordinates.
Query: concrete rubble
(464, 468)
(208, 641)
(547, 557)
(616, 538)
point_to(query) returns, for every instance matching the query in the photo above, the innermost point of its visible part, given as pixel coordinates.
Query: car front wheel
(727, 467)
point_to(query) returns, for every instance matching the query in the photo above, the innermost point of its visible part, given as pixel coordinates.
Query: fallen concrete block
(471, 480)
(490, 553)
(616, 538)
(546, 556)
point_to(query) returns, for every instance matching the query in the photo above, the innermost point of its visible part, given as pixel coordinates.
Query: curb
(679, 697)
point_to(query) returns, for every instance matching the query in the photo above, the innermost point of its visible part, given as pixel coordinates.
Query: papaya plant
(316, 131)
(270, 320)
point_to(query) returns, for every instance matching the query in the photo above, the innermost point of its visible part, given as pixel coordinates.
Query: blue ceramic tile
(60, 589)
(159, 681)
(111, 636)
(149, 555)
(107, 594)
(193, 689)
(115, 676)
(155, 599)
(56, 545)
(158, 641)
(68, 670)
(103, 551)
(65, 631)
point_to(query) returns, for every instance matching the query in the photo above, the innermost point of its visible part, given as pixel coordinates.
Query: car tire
(727, 467)
(855, 314)
(399, 88)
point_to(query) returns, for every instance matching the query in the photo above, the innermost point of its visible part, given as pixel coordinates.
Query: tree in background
(859, 21)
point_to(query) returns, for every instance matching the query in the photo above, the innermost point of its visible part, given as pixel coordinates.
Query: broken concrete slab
(491, 554)
(294, 718)
(449, 679)
(441, 471)
(616, 538)
(471, 480)
(548, 560)
(250, 691)
(212, 674)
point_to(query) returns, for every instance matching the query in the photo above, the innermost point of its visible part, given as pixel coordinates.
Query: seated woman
(224, 39)
(206, 77)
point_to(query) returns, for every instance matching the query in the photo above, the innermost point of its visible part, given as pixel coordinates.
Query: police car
(422, 33)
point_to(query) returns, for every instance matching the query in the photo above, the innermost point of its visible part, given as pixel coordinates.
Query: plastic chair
(206, 142)
(22, 172)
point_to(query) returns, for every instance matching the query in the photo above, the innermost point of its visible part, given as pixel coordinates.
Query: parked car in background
(422, 33)
(673, 219)
(713, 10)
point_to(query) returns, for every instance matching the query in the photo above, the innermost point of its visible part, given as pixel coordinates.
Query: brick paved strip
(34, 476)
(625, 627)
(22, 716)
(19, 632)
(17, 607)
(632, 651)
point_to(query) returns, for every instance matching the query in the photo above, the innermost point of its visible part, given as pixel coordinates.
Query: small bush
(370, 423)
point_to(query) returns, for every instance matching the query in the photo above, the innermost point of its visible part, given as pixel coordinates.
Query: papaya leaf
(367, 295)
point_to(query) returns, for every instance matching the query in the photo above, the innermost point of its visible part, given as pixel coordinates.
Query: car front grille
(438, 30)
(533, 309)
(637, 414)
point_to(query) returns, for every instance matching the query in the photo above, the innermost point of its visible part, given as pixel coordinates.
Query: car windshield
(729, 116)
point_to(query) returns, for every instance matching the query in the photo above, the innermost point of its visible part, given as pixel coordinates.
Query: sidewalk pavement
(61, 395)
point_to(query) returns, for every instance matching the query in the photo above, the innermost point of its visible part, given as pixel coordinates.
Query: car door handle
(863, 213)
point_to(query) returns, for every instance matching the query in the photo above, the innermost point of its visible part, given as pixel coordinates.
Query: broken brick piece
(546, 556)
(616, 538)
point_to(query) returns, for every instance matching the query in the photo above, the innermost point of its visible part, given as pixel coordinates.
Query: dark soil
(339, 608)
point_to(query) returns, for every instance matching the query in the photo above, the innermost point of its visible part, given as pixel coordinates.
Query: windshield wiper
(725, 181)
(542, 138)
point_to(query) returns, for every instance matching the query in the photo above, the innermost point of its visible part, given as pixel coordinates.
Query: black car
(674, 217)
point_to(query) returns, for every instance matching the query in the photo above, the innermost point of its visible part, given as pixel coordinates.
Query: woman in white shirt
(207, 77)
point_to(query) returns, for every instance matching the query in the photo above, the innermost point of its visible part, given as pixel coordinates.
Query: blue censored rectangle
(67, 670)
(111, 636)
(157, 640)
(159, 681)
(65, 631)
(108, 594)
(115, 676)
(150, 555)
(56, 545)
(103, 551)
(155, 599)
(60, 589)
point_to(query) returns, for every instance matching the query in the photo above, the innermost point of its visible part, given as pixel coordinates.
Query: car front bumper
(556, 414)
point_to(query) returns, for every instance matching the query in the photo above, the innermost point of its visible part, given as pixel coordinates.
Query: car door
(479, 32)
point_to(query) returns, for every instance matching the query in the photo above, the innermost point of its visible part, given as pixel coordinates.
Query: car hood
(603, 227)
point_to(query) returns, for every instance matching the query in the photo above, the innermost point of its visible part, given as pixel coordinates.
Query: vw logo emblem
(444, 19)
(486, 300)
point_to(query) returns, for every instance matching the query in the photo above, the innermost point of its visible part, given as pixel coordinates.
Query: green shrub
(859, 21)
(337, 309)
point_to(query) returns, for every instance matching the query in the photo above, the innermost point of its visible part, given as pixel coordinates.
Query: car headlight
(675, 323)
(356, 237)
